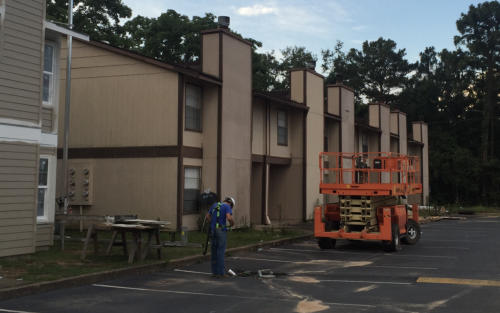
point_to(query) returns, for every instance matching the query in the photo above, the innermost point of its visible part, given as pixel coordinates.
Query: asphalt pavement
(454, 268)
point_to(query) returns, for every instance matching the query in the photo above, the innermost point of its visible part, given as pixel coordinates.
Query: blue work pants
(217, 251)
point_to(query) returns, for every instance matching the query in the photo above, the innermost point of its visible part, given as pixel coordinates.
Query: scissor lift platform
(369, 186)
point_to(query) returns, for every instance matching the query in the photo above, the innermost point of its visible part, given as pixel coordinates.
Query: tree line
(455, 91)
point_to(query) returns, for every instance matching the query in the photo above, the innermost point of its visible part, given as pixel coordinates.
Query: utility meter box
(80, 183)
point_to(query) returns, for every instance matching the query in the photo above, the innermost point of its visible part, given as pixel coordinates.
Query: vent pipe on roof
(223, 22)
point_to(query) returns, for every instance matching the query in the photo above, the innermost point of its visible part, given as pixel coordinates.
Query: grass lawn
(55, 264)
(457, 209)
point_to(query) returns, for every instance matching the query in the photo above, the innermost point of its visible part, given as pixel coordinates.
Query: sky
(317, 25)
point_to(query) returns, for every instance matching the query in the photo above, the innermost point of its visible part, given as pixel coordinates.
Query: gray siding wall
(21, 46)
(47, 124)
(44, 235)
(18, 187)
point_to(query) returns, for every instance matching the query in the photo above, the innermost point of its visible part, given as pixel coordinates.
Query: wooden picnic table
(136, 227)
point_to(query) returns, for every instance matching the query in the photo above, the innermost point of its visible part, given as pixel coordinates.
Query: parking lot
(454, 268)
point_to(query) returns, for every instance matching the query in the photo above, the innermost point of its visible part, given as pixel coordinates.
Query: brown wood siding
(18, 186)
(47, 118)
(21, 60)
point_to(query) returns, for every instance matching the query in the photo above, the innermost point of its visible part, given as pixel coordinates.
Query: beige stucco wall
(425, 163)
(297, 86)
(385, 128)
(236, 125)
(394, 145)
(333, 106)
(315, 137)
(144, 186)
(259, 127)
(373, 115)
(285, 200)
(394, 123)
(210, 54)
(209, 119)
(256, 194)
(118, 101)
(416, 150)
(403, 134)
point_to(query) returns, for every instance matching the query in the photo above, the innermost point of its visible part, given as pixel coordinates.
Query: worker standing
(219, 214)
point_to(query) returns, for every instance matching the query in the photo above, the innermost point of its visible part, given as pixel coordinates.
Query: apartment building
(152, 136)
(29, 110)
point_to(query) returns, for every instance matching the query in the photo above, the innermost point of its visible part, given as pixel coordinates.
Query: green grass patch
(56, 264)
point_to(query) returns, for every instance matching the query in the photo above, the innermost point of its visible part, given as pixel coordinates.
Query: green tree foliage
(378, 72)
(97, 18)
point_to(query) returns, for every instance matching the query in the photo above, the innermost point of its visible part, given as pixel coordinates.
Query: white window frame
(50, 192)
(52, 88)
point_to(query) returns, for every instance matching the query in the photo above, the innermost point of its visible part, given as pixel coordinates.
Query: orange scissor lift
(366, 198)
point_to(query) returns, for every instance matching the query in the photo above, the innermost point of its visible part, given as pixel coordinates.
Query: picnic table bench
(137, 227)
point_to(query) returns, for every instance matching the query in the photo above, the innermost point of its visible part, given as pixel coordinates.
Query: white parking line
(378, 254)
(364, 282)
(192, 272)
(223, 295)
(328, 251)
(364, 266)
(14, 311)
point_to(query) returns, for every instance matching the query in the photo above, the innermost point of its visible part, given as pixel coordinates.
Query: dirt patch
(310, 306)
(304, 279)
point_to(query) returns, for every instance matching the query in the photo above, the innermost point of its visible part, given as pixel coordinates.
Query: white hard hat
(230, 200)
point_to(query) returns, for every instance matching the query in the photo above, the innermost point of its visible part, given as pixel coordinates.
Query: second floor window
(193, 108)
(48, 74)
(282, 128)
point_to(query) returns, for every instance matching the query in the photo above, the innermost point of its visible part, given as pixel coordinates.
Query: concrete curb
(92, 278)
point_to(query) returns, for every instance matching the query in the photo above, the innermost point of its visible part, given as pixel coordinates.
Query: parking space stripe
(364, 282)
(192, 272)
(222, 295)
(14, 311)
(459, 281)
(367, 255)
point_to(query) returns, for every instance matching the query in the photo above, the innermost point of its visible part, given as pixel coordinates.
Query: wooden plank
(27, 59)
(16, 236)
(15, 17)
(19, 163)
(18, 199)
(17, 214)
(18, 147)
(16, 221)
(17, 192)
(17, 156)
(17, 77)
(16, 251)
(18, 171)
(6, 207)
(30, 94)
(17, 178)
(19, 103)
(16, 244)
(16, 229)
(8, 67)
(17, 61)
(20, 6)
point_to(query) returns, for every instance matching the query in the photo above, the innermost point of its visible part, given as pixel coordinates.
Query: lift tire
(413, 233)
(326, 243)
(393, 245)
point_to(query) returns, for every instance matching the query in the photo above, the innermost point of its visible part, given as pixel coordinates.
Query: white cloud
(256, 9)
(359, 28)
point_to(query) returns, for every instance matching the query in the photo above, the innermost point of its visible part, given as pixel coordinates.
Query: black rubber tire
(393, 245)
(326, 243)
(332, 225)
(413, 233)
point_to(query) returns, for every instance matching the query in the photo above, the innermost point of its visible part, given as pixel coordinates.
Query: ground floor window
(46, 189)
(192, 186)
(43, 175)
